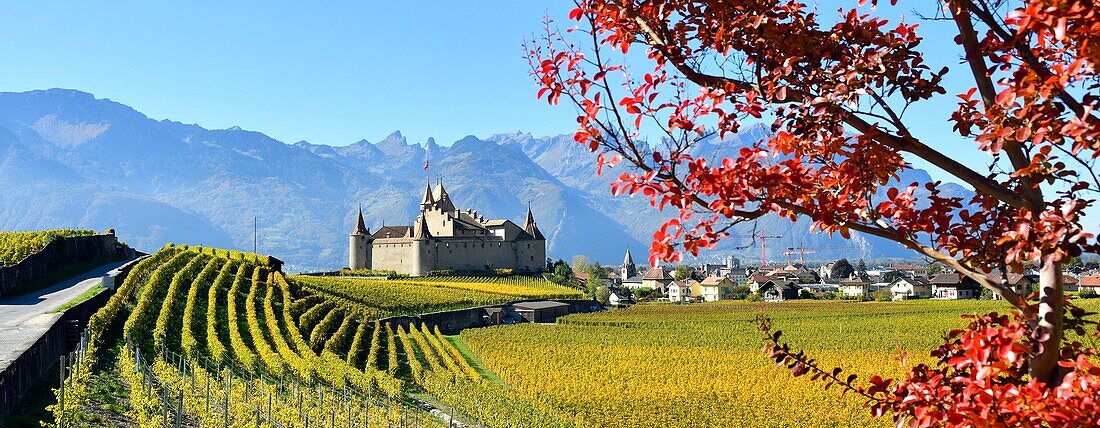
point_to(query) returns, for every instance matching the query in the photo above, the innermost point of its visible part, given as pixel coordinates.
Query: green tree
(580, 264)
(681, 272)
(842, 269)
(861, 268)
(563, 274)
(603, 295)
(641, 293)
(892, 276)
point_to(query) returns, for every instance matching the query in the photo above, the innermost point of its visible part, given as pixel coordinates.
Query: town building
(1089, 284)
(442, 237)
(1022, 284)
(680, 291)
(855, 287)
(954, 286)
(658, 279)
(909, 270)
(628, 269)
(713, 288)
(779, 290)
(916, 287)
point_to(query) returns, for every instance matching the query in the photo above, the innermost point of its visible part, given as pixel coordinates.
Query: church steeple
(628, 269)
(360, 225)
(530, 227)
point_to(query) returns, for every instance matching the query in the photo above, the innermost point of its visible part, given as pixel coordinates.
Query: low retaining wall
(60, 339)
(57, 254)
(453, 322)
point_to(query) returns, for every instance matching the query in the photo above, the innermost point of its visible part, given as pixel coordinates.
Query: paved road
(24, 319)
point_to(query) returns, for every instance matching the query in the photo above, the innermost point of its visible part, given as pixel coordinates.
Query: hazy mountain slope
(574, 165)
(73, 160)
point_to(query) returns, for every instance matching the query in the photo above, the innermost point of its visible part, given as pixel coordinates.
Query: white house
(855, 288)
(680, 291)
(911, 288)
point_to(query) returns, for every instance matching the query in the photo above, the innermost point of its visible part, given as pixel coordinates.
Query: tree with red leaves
(837, 89)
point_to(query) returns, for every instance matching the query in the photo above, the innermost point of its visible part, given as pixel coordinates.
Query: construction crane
(802, 251)
(763, 245)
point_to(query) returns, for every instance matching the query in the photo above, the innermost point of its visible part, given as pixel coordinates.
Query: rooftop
(541, 304)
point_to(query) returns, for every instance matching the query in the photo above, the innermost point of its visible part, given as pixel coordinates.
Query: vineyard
(701, 365)
(417, 296)
(15, 246)
(214, 338)
(205, 337)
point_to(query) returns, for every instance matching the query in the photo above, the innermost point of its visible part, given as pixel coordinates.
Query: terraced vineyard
(14, 246)
(422, 295)
(219, 337)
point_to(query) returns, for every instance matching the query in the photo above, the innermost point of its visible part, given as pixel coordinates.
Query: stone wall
(57, 254)
(395, 256)
(37, 360)
(453, 322)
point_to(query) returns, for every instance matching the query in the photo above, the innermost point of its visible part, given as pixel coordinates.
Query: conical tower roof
(428, 197)
(443, 198)
(530, 227)
(628, 260)
(360, 225)
(420, 231)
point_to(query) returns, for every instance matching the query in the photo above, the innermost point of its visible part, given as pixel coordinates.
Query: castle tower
(428, 200)
(421, 247)
(359, 245)
(443, 199)
(531, 228)
(628, 269)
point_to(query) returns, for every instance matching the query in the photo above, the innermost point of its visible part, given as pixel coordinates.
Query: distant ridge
(68, 158)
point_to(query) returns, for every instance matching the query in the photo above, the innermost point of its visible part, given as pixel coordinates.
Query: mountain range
(68, 159)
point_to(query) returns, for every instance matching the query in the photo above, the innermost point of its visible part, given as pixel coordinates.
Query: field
(15, 246)
(418, 296)
(701, 365)
(215, 338)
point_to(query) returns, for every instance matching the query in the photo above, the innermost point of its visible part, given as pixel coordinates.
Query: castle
(445, 238)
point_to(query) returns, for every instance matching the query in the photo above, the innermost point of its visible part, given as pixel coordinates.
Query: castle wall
(396, 256)
(532, 255)
(475, 254)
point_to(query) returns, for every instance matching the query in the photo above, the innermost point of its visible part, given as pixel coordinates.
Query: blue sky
(331, 74)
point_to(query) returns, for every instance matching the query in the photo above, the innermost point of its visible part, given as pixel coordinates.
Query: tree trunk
(1044, 363)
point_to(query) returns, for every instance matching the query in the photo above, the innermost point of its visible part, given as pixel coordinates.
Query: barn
(541, 311)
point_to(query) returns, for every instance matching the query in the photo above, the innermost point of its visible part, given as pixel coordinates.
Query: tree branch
(905, 144)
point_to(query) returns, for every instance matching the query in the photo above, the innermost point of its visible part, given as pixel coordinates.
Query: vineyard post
(179, 410)
(257, 417)
(164, 403)
(332, 419)
(225, 404)
(61, 399)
